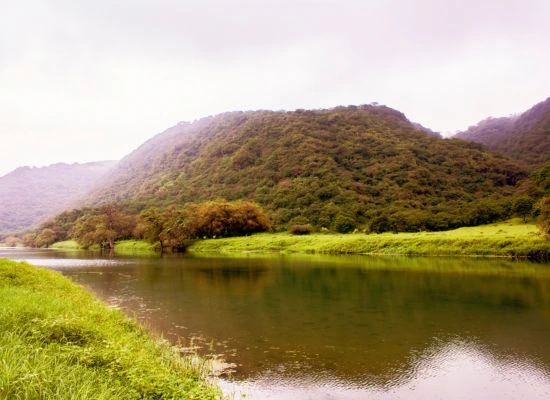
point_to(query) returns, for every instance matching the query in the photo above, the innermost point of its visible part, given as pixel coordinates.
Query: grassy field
(123, 247)
(58, 342)
(135, 247)
(506, 239)
(66, 245)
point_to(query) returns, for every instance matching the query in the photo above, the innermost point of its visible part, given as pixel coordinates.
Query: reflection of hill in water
(358, 319)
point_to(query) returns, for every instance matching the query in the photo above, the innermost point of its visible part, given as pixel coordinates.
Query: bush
(543, 222)
(301, 229)
(344, 224)
(380, 224)
(225, 219)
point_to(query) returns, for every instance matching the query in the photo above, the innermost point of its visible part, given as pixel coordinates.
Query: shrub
(344, 223)
(543, 222)
(221, 218)
(301, 229)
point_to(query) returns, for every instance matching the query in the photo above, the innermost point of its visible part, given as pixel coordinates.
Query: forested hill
(29, 194)
(332, 168)
(524, 137)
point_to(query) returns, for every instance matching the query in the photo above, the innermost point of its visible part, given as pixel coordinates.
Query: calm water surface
(319, 327)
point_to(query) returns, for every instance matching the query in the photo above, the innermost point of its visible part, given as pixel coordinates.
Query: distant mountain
(524, 137)
(29, 194)
(325, 167)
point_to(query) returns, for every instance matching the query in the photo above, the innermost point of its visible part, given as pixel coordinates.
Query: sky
(91, 80)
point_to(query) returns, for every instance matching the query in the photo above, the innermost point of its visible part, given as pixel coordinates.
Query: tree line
(171, 227)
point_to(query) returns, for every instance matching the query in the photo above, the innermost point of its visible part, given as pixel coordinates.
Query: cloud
(98, 78)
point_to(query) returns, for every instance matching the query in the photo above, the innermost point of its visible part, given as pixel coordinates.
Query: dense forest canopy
(338, 168)
(524, 137)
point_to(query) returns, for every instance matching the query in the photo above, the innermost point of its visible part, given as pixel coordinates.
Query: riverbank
(122, 247)
(512, 239)
(58, 342)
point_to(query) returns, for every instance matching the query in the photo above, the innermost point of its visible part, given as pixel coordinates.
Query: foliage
(12, 241)
(523, 207)
(305, 229)
(151, 226)
(45, 238)
(221, 218)
(173, 226)
(103, 227)
(338, 168)
(522, 137)
(58, 342)
(538, 183)
(543, 221)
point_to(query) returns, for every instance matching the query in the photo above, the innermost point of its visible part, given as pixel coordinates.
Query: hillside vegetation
(339, 168)
(29, 195)
(524, 137)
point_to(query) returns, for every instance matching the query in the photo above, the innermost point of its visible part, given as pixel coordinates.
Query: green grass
(58, 342)
(506, 239)
(66, 245)
(135, 247)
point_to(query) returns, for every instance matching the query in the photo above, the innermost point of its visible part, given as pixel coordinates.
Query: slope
(336, 168)
(524, 137)
(28, 194)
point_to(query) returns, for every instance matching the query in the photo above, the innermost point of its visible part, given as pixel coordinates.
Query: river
(338, 327)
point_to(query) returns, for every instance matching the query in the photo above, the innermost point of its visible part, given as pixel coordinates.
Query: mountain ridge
(316, 166)
(524, 136)
(29, 195)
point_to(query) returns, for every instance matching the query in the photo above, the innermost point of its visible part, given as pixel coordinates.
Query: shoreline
(511, 240)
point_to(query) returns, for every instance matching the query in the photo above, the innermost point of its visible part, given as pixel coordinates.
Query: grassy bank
(123, 247)
(135, 247)
(507, 239)
(58, 342)
(66, 245)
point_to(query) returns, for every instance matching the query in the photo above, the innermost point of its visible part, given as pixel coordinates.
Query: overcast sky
(91, 80)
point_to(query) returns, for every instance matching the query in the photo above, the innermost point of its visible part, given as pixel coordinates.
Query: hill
(28, 195)
(336, 168)
(524, 137)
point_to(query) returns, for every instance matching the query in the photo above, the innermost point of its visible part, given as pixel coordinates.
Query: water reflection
(453, 370)
(342, 327)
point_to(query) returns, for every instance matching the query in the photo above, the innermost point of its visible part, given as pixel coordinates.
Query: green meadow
(513, 239)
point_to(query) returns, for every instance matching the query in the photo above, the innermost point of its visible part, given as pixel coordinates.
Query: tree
(12, 241)
(543, 222)
(344, 223)
(151, 226)
(523, 206)
(380, 224)
(28, 240)
(104, 228)
(45, 238)
(221, 218)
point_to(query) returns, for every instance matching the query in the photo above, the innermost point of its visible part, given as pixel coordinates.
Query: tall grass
(507, 239)
(58, 342)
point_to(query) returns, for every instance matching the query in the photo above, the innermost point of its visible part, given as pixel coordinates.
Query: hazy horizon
(87, 82)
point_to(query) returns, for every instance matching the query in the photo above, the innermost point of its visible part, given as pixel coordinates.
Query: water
(319, 327)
